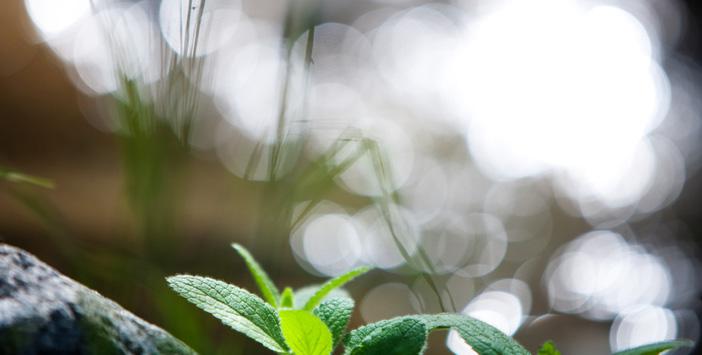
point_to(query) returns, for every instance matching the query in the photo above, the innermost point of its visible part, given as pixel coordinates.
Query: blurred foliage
(153, 126)
(18, 177)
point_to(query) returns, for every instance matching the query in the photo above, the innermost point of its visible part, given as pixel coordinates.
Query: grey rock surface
(44, 312)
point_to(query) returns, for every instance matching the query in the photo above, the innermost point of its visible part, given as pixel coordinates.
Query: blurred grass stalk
(18, 177)
(154, 123)
(151, 160)
(311, 182)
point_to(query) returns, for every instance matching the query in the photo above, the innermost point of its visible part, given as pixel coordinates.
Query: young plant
(313, 320)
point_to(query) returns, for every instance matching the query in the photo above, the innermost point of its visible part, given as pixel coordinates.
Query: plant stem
(384, 181)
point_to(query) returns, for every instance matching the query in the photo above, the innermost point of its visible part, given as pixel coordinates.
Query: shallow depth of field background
(543, 156)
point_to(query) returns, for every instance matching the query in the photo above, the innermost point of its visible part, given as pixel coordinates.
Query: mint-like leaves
(268, 290)
(235, 307)
(331, 285)
(335, 313)
(410, 334)
(313, 320)
(305, 333)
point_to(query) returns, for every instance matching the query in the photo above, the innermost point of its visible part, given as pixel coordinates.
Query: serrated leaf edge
(337, 334)
(482, 337)
(239, 322)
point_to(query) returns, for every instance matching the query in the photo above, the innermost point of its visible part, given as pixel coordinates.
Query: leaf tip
(173, 278)
(364, 269)
(178, 279)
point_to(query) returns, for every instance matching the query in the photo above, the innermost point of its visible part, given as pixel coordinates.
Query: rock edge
(43, 311)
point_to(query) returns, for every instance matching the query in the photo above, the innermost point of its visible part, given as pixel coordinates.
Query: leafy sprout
(279, 323)
(314, 321)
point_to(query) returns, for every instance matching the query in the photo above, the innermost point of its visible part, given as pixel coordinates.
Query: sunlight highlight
(600, 275)
(52, 17)
(557, 86)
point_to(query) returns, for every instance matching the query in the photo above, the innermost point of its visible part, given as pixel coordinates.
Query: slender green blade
(287, 299)
(333, 284)
(302, 295)
(397, 336)
(549, 348)
(17, 177)
(335, 313)
(305, 333)
(268, 290)
(657, 348)
(235, 307)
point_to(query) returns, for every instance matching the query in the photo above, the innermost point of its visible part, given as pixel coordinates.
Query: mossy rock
(44, 312)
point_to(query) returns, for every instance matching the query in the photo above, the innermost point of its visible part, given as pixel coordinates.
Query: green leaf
(657, 348)
(302, 295)
(382, 337)
(333, 284)
(287, 299)
(397, 336)
(482, 337)
(304, 333)
(268, 290)
(335, 313)
(235, 307)
(549, 348)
